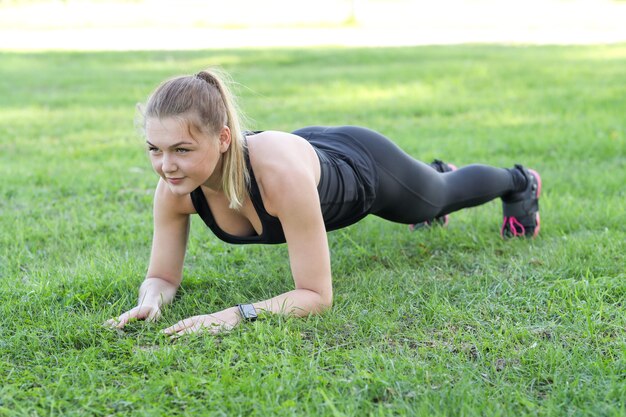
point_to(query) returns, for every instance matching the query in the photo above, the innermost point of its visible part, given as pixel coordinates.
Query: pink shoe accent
(538, 226)
(513, 223)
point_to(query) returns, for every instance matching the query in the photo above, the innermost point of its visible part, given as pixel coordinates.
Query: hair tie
(208, 78)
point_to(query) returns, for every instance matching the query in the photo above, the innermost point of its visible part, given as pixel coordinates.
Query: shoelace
(513, 225)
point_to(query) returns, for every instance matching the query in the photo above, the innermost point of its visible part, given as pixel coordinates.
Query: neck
(214, 182)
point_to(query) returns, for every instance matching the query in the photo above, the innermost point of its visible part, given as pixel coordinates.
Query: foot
(442, 167)
(521, 209)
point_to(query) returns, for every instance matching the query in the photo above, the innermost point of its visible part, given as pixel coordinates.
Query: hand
(142, 312)
(215, 323)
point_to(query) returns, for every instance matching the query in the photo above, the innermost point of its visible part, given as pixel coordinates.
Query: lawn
(439, 322)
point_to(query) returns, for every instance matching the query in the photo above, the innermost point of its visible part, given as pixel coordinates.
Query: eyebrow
(173, 146)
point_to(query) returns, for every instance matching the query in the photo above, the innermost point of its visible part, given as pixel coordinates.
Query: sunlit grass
(441, 322)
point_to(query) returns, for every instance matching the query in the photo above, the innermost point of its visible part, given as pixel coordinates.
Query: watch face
(247, 311)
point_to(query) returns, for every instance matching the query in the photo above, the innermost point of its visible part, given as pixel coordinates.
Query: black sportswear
(363, 172)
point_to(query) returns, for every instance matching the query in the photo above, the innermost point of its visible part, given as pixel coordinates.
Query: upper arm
(307, 243)
(169, 242)
(290, 189)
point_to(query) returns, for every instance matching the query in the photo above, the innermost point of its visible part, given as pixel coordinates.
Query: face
(184, 157)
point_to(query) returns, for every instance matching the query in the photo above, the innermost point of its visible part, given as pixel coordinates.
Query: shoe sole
(538, 220)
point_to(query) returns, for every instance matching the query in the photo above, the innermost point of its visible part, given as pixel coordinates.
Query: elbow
(325, 302)
(317, 303)
(313, 301)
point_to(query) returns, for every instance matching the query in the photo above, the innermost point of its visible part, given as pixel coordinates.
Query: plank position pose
(276, 187)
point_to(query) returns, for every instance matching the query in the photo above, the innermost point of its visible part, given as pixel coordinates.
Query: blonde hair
(206, 102)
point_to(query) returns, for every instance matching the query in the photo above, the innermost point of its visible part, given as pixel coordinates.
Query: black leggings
(410, 191)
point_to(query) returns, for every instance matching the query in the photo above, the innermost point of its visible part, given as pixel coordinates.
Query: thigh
(409, 191)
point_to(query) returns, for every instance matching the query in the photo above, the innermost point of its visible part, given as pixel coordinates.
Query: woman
(276, 187)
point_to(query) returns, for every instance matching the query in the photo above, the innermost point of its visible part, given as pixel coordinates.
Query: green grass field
(443, 322)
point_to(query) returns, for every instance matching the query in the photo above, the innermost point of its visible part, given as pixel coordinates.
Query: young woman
(276, 187)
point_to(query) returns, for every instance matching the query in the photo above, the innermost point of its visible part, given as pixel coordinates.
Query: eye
(152, 149)
(182, 150)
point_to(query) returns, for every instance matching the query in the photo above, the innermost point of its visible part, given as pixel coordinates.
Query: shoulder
(284, 165)
(167, 202)
(275, 143)
(273, 152)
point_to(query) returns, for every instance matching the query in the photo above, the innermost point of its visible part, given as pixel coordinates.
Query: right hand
(141, 312)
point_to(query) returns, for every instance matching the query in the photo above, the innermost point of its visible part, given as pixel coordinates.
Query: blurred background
(197, 24)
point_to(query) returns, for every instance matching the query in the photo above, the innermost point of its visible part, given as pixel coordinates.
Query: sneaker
(442, 167)
(521, 209)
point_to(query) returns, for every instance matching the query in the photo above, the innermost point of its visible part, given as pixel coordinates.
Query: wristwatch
(247, 312)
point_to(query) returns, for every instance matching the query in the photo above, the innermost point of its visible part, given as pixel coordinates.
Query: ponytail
(206, 100)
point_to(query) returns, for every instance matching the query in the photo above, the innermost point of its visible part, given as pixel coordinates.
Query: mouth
(172, 180)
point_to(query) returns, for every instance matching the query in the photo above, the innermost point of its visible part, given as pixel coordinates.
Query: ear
(225, 139)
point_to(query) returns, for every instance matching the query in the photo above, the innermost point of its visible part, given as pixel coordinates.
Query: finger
(181, 333)
(154, 315)
(111, 322)
(198, 327)
(117, 323)
(211, 327)
(181, 325)
(124, 319)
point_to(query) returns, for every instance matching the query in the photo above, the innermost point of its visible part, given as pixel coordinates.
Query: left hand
(215, 323)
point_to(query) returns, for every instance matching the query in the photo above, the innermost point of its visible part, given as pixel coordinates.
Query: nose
(168, 164)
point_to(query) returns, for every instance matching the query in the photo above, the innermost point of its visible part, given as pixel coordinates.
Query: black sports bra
(272, 229)
(347, 187)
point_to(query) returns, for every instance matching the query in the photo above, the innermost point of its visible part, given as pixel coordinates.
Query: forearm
(299, 302)
(156, 291)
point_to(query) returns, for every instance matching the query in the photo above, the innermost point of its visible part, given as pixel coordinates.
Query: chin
(180, 191)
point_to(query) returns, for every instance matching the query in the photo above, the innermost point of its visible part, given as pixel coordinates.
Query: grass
(435, 323)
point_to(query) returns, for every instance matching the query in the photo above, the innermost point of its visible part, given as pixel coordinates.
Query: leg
(421, 195)
(441, 167)
(410, 191)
